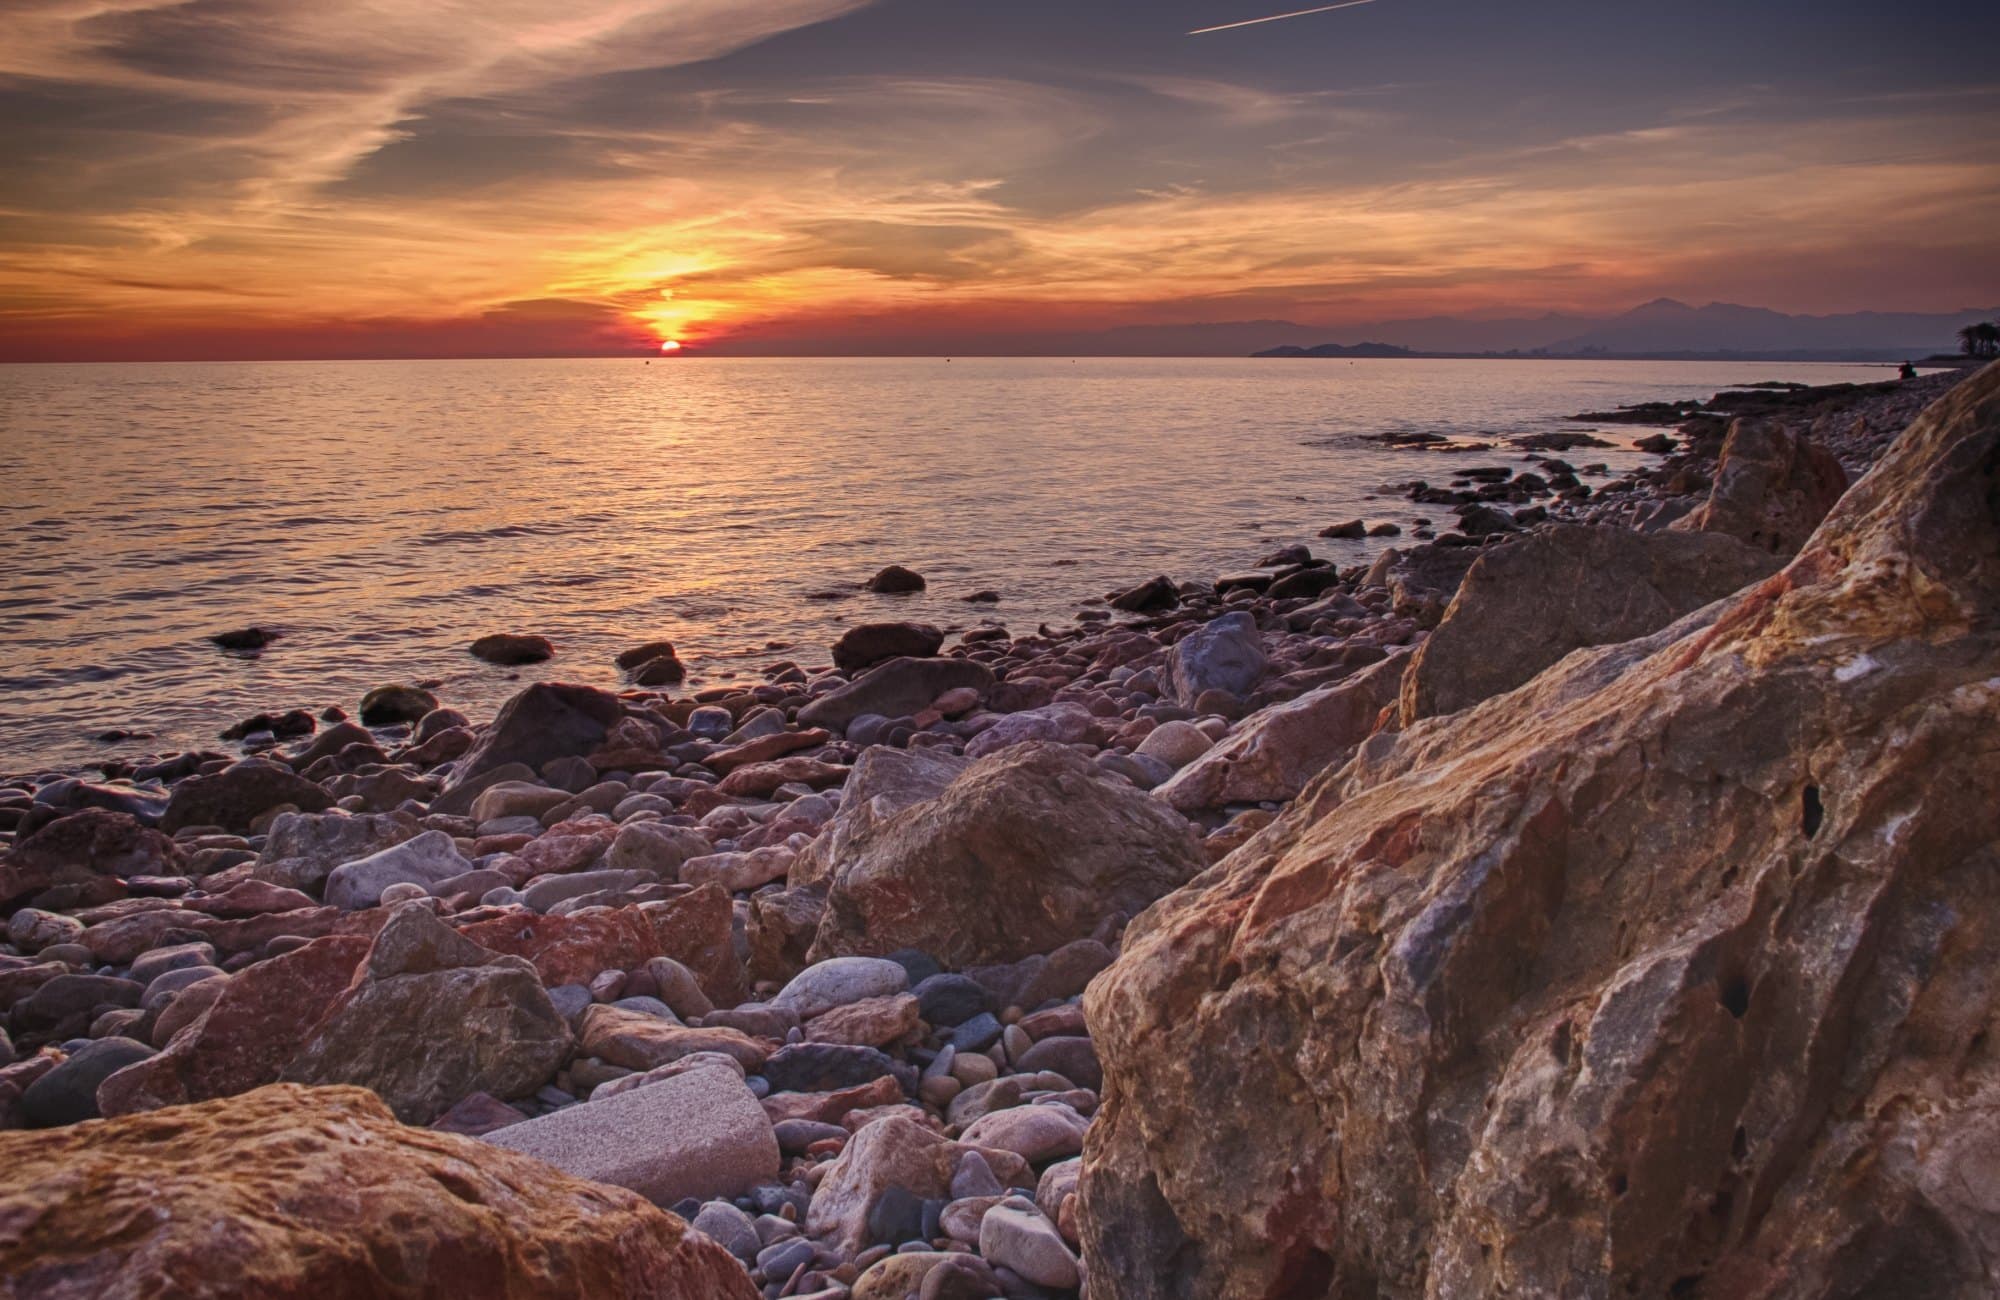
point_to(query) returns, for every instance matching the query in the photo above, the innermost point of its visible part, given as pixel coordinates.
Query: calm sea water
(383, 514)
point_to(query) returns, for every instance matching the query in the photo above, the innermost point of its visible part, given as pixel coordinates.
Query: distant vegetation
(1981, 340)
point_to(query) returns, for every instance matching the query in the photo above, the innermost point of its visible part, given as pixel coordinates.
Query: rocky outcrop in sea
(1592, 898)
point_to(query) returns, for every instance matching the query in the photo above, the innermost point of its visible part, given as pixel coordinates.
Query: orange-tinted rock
(255, 1026)
(293, 1193)
(1670, 972)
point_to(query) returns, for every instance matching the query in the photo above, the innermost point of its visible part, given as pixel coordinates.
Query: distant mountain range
(1663, 327)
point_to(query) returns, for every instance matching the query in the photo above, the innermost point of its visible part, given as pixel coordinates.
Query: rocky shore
(1568, 902)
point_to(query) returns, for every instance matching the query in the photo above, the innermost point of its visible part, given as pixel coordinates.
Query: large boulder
(1772, 487)
(1225, 654)
(432, 1018)
(894, 689)
(1275, 752)
(86, 849)
(549, 720)
(699, 1133)
(1671, 972)
(237, 795)
(294, 1193)
(1525, 605)
(1026, 850)
(871, 643)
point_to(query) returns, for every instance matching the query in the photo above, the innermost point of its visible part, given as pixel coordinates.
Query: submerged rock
(1671, 971)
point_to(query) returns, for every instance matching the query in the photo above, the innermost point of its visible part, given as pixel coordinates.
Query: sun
(671, 345)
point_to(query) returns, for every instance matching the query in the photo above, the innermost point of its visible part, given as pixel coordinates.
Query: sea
(381, 515)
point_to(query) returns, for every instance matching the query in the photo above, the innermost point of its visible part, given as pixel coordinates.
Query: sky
(269, 178)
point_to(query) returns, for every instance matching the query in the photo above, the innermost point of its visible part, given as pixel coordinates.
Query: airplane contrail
(1299, 13)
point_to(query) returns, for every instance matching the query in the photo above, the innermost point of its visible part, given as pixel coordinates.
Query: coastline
(810, 903)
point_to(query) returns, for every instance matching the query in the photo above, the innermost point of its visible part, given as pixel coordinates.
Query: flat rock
(699, 1134)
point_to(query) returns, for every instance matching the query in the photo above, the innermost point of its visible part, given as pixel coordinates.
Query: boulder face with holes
(1671, 972)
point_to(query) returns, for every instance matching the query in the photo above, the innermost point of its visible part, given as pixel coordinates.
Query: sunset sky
(218, 178)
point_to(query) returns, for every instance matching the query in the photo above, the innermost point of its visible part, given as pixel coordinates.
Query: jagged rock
(549, 720)
(1670, 972)
(235, 796)
(1025, 850)
(292, 1193)
(1225, 655)
(1524, 606)
(870, 643)
(1149, 596)
(1274, 752)
(432, 1018)
(894, 689)
(1773, 485)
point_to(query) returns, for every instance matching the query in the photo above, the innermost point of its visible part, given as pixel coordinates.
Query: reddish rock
(84, 849)
(256, 1024)
(693, 929)
(250, 898)
(637, 1041)
(292, 1193)
(763, 749)
(832, 1107)
(1670, 972)
(758, 780)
